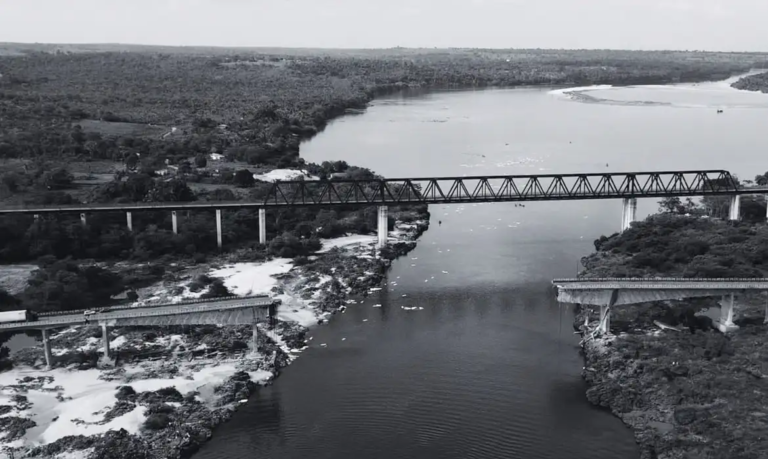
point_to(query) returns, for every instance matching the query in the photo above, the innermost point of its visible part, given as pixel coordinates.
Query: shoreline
(211, 369)
(683, 393)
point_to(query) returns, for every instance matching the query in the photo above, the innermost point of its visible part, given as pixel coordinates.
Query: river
(489, 367)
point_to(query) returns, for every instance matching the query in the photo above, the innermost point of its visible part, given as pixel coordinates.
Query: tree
(201, 161)
(58, 179)
(132, 162)
(671, 205)
(244, 178)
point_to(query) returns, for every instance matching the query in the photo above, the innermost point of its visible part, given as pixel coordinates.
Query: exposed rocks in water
(15, 427)
(176, 424)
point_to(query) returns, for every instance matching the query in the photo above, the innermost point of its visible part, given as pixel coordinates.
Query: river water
(489, 367)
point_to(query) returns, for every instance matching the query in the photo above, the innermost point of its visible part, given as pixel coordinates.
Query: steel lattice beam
(443, 190)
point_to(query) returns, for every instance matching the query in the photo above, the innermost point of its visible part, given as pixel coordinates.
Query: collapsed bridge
(611, 292)
(214, 311)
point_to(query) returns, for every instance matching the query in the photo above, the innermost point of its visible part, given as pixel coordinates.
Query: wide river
(489, 367)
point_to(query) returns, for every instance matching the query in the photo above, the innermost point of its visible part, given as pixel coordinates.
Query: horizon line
(261, 47)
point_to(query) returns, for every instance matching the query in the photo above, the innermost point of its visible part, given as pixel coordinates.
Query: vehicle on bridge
(24, 315)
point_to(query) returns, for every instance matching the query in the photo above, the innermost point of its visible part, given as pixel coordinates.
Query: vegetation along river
(489, 367)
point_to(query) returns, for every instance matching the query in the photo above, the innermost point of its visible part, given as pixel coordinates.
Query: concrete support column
(47, 350)
(733, 210)
(83, 219)
(218, 227)
(383, 226)
(766, 207)
(605, 319)
(105, 337)
(262, 226)
(175, 222)
(129, 220)
(255, 338)
(628, 214)
(726, 315)
(765, 321)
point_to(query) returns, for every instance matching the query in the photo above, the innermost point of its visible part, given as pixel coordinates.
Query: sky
(717, 25)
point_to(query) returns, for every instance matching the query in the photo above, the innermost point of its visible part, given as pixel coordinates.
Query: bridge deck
(147, 314)
(623, 291)
(662, 284)
(447, 190)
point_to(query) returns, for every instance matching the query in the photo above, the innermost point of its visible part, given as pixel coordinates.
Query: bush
(157, 421)
(124, 392)
(217, 289)
(243, 179)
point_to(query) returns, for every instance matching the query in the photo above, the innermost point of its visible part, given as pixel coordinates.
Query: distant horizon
(729, 26)
(322, 48)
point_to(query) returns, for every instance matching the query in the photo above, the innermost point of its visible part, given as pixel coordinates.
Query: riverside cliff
(686, 394)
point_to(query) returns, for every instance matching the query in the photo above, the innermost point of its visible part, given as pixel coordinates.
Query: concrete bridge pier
(218, 227)
(725, 323)
(733, 209)
(105, 338)
(255, 339)
(129, 220)
(628, 214)
(383, 226)
(605, 320)
(262, 226)
(765, 321)
(83, 219)
(47, 349)
(175, 222)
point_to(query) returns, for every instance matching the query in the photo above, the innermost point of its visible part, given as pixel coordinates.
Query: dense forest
(682, 241)
(142, 124)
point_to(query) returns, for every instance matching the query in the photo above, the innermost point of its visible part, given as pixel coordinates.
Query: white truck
(24, 315)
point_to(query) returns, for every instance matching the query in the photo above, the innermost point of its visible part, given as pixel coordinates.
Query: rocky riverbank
(170, 388)
(687, 392)
(757, 82)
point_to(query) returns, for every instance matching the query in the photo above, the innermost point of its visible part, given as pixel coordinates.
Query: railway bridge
(221, 311)
(628, 186)
(613, 292)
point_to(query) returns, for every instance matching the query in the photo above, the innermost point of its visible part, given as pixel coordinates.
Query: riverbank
(685, 395)
(755, 82)
(171, 387)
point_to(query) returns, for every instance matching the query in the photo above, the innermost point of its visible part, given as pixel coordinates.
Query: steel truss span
(437, 190)
(502, 188)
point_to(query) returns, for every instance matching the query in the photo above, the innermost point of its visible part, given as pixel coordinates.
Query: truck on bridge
(24, 315)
